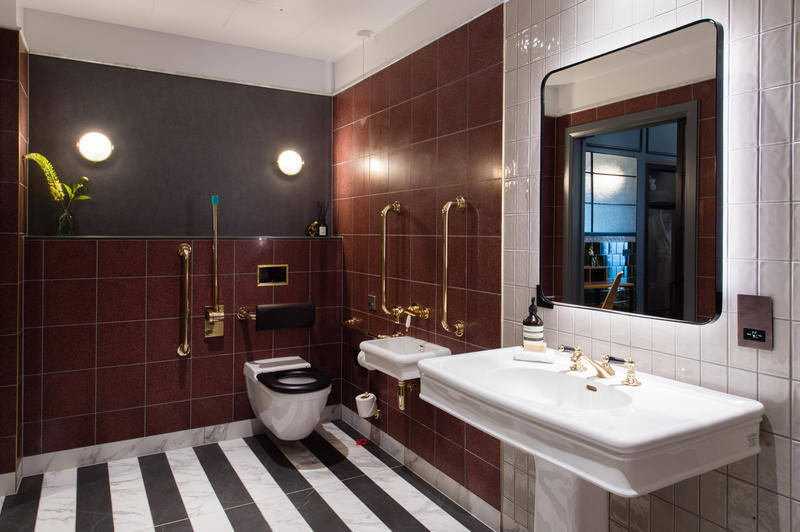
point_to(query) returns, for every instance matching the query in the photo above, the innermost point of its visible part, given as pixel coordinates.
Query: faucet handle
(575, 358)
(630, 379)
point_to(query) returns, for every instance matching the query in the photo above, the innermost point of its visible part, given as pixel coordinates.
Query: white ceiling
(319, 29)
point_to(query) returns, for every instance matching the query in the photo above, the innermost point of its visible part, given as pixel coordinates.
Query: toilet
(287, 395)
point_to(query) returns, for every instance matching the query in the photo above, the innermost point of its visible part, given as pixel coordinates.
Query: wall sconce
(95, 146)
(290, 162)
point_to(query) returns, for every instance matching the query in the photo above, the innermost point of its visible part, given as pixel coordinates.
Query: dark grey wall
(177, 140)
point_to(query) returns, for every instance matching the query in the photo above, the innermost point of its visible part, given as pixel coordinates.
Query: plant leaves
(68, 189)
(49, 173)
(83, 197)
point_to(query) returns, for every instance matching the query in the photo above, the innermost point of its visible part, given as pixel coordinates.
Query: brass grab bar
(393, 206)
(214, 313)
(185, 251)
(461, 204)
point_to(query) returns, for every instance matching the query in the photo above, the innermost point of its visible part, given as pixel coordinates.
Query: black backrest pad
(285, 316)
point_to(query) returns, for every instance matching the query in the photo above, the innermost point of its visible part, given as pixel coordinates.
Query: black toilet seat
(281, 381)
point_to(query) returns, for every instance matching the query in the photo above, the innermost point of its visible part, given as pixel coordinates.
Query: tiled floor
(326, 482)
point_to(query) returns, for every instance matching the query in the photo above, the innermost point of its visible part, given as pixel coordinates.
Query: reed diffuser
(322, 228)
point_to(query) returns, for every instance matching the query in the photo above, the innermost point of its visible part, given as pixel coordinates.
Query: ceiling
(319, 29)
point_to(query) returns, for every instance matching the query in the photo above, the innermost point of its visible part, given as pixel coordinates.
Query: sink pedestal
(567, 503)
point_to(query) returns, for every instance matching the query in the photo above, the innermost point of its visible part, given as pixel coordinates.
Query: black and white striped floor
(326, 482)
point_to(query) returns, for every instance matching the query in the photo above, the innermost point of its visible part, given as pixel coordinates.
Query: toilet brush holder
(366, 404)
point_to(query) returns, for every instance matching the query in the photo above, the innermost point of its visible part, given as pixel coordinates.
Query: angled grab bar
(393, 206)
(185, 251)
(461, 204)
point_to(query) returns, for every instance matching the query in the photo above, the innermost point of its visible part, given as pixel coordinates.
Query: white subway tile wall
(762, 248)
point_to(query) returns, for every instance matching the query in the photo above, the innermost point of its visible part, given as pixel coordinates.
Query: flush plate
(273, 274)
(754, 321)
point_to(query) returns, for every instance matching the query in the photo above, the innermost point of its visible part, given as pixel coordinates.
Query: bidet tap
(603, 369)
(412, 311)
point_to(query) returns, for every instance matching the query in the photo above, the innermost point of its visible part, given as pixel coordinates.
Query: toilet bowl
(287, 395)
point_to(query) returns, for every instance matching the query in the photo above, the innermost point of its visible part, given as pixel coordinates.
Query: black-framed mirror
(631, 178)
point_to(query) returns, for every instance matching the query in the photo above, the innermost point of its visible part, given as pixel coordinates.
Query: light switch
(754, 321)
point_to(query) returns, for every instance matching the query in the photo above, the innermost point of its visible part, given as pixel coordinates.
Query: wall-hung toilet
(287, 395)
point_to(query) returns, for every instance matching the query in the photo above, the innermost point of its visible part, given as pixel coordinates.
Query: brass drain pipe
(403, 388)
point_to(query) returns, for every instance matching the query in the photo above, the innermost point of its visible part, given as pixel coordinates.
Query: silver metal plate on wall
(754, 326)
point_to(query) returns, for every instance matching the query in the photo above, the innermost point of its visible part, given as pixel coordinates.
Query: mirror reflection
(630, 177)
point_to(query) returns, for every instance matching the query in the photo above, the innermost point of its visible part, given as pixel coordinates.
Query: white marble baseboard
(8, 483)
(449, 487)
(105, 452)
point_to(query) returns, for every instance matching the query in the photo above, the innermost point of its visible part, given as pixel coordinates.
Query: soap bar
(537, 347)
(530, 356)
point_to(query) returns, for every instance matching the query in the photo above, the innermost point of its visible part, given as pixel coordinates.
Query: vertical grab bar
(215, 313)
(214, 248)
(460, 203)
(185, 251)
(393, 206)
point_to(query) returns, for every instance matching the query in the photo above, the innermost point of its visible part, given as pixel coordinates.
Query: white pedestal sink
(398, 357)
(591, 435)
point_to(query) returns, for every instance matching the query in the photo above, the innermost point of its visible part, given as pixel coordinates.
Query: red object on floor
(362, 441)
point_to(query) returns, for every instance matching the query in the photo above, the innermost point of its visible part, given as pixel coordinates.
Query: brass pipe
(244, 314)
(355, 324)
(393, 206)
(185, 251)
(214, 253)
(214, 313)
(403, 388)
(461, 204)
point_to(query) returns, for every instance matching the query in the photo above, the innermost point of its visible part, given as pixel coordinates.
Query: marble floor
(325, 482)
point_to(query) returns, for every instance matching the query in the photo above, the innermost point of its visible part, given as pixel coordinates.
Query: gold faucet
(413, 310)
(603, 369)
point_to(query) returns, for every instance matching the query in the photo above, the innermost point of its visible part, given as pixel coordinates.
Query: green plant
(62, 193)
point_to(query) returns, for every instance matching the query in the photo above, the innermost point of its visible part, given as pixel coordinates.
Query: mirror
(631, 178)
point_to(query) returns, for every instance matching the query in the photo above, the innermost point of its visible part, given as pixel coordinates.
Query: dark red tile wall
(102, 328)
(553, 148)
(422, 131)
(13, 201)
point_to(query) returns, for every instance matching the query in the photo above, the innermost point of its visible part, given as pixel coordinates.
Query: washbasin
(398, 356)
(590, 436)
(554, 389)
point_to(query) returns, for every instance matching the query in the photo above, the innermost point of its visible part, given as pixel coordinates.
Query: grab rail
(461, 204)
(185, 251)
(214, 313)
(393, 206)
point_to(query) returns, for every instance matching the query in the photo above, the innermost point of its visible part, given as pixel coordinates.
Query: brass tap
(603, 369)
(413, 310)
(630, 379)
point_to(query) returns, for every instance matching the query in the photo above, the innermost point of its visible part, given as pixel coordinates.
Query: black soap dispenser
(533, 330)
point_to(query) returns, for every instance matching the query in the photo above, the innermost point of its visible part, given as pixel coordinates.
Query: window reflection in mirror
(630, 177)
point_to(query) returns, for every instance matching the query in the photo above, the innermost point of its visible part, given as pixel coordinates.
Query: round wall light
(95, 146)
(290, 162)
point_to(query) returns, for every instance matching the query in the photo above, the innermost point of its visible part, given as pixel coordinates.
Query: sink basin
(555, 389)
(626, 440)
(398, 357)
